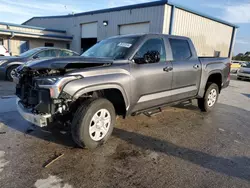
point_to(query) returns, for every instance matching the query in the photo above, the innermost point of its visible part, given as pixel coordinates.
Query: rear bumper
(37, 119)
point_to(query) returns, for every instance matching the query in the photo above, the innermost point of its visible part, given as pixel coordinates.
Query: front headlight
(55, 84)
(2, 62)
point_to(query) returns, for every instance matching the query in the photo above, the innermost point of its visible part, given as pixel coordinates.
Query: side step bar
(153, 112)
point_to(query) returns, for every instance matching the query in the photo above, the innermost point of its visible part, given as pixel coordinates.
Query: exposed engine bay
(31, 95)
(40, 89)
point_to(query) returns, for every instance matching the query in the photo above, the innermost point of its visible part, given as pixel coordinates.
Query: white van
(3, 51)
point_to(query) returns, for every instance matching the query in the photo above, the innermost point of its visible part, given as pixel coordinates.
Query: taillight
(229, 66)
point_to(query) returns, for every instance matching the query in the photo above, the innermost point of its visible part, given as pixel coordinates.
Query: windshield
(246, 65)
(29, 53)
(115, 48)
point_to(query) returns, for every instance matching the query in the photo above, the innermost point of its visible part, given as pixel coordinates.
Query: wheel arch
(113, 92)
(215, 77)
(211, 77)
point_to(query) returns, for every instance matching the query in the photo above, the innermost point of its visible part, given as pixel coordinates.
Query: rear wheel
(93, 123)
(207, 103)
(11, 72)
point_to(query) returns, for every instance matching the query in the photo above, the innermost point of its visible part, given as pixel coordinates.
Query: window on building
(156, 44)
(46, 53)
(49, 44)
(67, 46)
(1, 41)
(180, 49)
(216, 53)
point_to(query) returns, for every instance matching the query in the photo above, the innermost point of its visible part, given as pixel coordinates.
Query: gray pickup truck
(123, 75)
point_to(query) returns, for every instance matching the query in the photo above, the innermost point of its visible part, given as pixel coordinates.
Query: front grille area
(33, 97)
(26, 91)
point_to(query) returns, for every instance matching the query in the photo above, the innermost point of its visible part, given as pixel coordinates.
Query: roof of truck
(148, 34)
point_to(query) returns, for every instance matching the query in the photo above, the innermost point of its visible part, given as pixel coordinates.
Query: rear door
(186, 69)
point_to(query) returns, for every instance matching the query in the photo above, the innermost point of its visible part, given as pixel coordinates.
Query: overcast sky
(234, 11)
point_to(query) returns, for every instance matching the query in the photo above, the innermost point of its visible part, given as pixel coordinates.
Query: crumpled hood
(67, 63)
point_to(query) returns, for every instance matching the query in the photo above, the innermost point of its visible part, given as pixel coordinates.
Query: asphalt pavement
(180, 147)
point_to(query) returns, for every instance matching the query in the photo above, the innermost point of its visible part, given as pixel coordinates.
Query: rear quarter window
(180, 49)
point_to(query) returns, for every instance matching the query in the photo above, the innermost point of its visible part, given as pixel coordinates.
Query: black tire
(8, 72)
(82, 119)
(238, 78)
(203, 102)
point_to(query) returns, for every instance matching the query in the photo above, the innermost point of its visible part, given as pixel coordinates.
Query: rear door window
(64, 53)
(47, 53)
(180, 49)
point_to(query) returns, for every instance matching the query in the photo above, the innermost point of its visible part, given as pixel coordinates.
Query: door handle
(196, 66)
(168, 69)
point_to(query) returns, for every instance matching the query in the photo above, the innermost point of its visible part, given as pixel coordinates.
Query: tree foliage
(242, 57)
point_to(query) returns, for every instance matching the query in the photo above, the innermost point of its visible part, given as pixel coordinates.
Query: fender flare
(101, 87)
(13, 63)
(202, 89)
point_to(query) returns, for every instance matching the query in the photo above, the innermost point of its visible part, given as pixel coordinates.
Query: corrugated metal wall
(34, 43)
(15, 46)
(154, 15)
(207, 35)
(167, 17)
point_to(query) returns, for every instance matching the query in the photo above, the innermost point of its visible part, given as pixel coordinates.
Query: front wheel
(93, 123)
(207, 103)
(11, 72)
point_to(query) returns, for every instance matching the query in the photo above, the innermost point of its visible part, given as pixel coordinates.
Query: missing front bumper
(39, 120)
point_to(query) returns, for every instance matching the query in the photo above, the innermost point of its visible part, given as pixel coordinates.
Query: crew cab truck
(122, 75)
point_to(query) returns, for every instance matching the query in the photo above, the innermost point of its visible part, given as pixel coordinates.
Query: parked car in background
(235, 66)
(9, 64)
(123, 75)
(3, 51)
(244, 71)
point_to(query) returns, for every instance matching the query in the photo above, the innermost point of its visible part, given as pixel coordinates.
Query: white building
(211, 36)
(20, 38)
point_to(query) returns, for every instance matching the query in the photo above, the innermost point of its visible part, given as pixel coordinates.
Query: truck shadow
(14, 121)
(236, 167)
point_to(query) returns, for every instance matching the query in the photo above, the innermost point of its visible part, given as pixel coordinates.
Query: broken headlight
(55, 84)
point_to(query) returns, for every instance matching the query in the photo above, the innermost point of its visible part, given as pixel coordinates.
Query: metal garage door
(134, 28)
(89, 30)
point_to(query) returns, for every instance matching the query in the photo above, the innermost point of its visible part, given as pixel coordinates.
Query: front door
(186, 70)
(151, 82)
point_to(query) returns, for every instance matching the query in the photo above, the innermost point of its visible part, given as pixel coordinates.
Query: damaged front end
(40, 93)
(39, 88)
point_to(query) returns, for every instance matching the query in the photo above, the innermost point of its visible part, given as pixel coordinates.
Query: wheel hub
(99, 124)
(212, 97)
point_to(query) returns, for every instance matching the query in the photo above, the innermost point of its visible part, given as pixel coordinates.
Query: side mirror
(35, 57)
(149, 57)
(152, 57)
